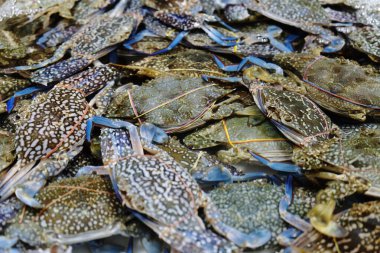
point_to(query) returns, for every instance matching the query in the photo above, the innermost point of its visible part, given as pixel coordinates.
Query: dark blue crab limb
(335, 45)
(219, 174)
(137, 37)
(12, 100)
(249, 59)
(130, 245)
(219, 38)
(289, 40)
(153, 133)
(260, 62)
(28, 190)
(285, 202)
(220, 21)
(272, 32)
(172, 44)
(277, 166)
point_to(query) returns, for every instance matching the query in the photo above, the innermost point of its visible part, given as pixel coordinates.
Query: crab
(9, 85)
(168, 107)
(246, 133)
(366, 39)
(189, 63)
(22, 12)
(9, 210)
(336, 84)
(296, 116)
(92, 41)
(351, 162)
(163, 194)
(52, 129)
(7, 149)
(252, 205)
(75, 210)
(362, 223)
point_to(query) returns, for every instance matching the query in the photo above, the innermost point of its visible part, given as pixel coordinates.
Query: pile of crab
(190, 126)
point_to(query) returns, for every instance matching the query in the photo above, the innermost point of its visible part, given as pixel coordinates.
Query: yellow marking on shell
(225, 128)
(174, 99)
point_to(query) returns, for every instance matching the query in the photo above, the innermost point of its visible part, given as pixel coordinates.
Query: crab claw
(321, 217)
(336, 44)
(286, 237)
(153, 133)
(277, 166)
(272, 32)
(28, 190)
(7, 242)
(214, 176)
(12, 101)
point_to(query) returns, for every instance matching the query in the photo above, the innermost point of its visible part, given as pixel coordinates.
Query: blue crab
(350, 162)
(75, 210)
(7, 149)
(252, 205)
(162, 194)
(92, 41)
(296, 116)
(361, 221)
(52, 129)
(338, 85)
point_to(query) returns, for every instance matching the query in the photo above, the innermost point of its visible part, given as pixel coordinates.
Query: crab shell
(362, 222)
(75, 210)
(338, 85)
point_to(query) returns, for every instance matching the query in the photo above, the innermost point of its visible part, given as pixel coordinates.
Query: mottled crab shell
(366, 39)
(362, 222)
(296, 116)
(254, 205)
(9, 85)
(7, 149)
(73, 209)
(356, 153)
(307, 15)
(338, 85)
(164, 101)
(189, 62)
(243, 132)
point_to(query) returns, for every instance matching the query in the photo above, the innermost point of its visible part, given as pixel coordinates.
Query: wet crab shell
(338, 85)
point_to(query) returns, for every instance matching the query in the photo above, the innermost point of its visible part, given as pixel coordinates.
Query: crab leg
(136, 38)
(12, 100)
(272, 31)
(284, 167)
(173, 44)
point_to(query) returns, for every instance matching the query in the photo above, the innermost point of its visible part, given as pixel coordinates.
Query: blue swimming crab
(162, 194)
(52, 130)
(75, 210)
(351, 162)
(252, 205)
(336, 84)
(295, 115)
(92, 41)
(362, 222)
(167, 108)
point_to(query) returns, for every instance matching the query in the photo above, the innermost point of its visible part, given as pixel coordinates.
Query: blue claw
(215, 37)
(28, 190)
(277, 166)
(259, 62)
(227, 25)
(107, 123)
(136, 38)
(7, 242)
(153, 133)
(288, 41)
(173, 44)
(229, 68)
(214, 176)
(272, 32)
(219, 34)
(336, 44)
(12, 101)
(288, 236)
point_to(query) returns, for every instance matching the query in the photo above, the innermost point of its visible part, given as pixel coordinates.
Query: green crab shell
(270, 143)
(361, 221)
(73, 207)
(254, 205)
(165, 101)
(340, 86)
